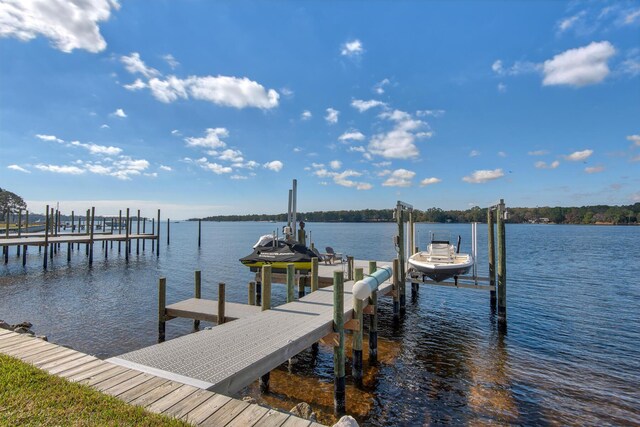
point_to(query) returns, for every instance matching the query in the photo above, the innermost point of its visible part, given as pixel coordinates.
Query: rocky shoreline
(22, 328)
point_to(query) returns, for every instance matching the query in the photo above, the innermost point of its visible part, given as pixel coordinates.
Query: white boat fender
(362, 289)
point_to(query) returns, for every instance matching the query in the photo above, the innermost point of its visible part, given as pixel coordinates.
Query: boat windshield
(440, 237)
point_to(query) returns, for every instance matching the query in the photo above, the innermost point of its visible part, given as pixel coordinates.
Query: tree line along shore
(598, 214)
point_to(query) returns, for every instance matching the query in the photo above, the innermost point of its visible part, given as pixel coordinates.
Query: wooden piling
(221, 298)
(491, 256)
(396, 289)
(153, 231)
(126, 238)
(502, 265)
(252, 293)
(199, 232)
(197, 293)
(158, 236)
(339, 384)
(53, 233)
(314, 274)
(291, 277)
(356, 355)
(5, 249)
(87, 231)
(349, 267)
(119, 229)
(401, 260)
(168, 231)
(93, 218)
(300, 287)
(162, 304)
(266, 305)
(46, 238)
(373, 321)
(19, 230)
(138, 233)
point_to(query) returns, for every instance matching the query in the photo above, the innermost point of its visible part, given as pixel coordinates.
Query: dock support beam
(291, 277)
(138, 233)
(252, 293)
(93, 219)
(266, 305)
(158, 237)
(197, 293)
(349, 267)
(314, 274)
(168, 231)
(46, 238)
(373, 321)
(339, 384)
(199, 232)
(396, 289)
(502, 265)
(492, 257)
(221, 298)
(356, 355)
(162, 304)
(126, 236)
(400, 289)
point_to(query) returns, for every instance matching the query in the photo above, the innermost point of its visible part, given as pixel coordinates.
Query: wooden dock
(233, 355)
(73, 238)
(155, 393)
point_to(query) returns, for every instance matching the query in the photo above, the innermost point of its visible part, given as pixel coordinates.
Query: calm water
(571, 354)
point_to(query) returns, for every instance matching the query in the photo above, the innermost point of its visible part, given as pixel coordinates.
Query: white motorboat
(441, 260)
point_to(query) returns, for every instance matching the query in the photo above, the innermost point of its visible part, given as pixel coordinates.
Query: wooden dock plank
(206, 409)
(142, 389)
(128, 384)
(39, 352)
(45, 366)
(156, 394)
(249, 416)
(296, 422)
(90, 373)
(5, 332)
(226, 414)
(185, 406)
(110, 379)
(82, 368)
(24, 348)
(273, 418)
(166, 402)
(71, 364)
(11, 342)
(207, 310)
(49, 356)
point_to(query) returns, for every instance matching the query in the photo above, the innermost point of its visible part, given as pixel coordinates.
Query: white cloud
(398, 143)
(173, 63)
(538, 153)
(544, 165)
(97, 149)
(119, 113)
(176, 132)
(234, 156)
(216, 168)
(384, 172)
(635, 139)
(165, 168)
(594, 169)
(502, 88)
(210, 140)
(497, 66)
(379, 87)
(399, 178)
(125, 167)
(137, 85)
(335, 164)
(351, 135)
(631, 16)
(579, 67)
(352, 48)
(49, 138)
(566, 23)
(71, 170)
(332, 116)
(286, 92)
(430, 113)
(579, 155)
(357, 149)
(18, 168)
(482, 176)
(239, 177)
(474, 153)
(518, 67)
(228, 91)
(105, 126)
(135, 65)
(630, 66)
(275, 165)
(429, 181)
(341, 178)
(67, 24)
(363, 106)
(502, 154)
(306, 115)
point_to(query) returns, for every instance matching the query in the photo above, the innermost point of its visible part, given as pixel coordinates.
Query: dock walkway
(154, 393)
(73, 238)
(231, 356)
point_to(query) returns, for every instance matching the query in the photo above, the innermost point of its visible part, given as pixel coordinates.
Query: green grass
(31, 397)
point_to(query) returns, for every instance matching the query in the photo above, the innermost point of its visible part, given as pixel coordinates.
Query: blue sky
(202, 108)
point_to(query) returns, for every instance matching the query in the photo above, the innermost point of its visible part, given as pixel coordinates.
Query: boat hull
(441, 270)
